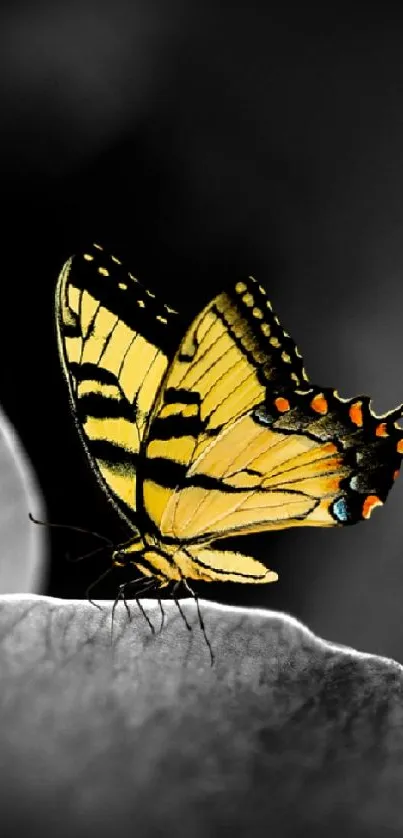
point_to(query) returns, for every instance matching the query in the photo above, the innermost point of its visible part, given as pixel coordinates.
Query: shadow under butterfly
(209, 431)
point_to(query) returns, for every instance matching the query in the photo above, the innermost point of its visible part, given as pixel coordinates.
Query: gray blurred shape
(285, 736)
(23, 544)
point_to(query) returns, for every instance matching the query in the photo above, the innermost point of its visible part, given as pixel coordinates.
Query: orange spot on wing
(381, 429)
(356, 413)
(330, 447)
(333, 484)
(396, 474)
(281, 404)
(370, 502)
(399, 446)
(319, 404)
(333, 465)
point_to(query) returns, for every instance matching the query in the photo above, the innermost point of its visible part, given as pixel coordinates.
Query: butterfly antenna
(201, 621)
(94, 584)
(87, 555)
(70, 527)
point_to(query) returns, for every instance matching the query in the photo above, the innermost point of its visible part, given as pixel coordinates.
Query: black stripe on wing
(175, 427)
(112, 453)
(256, 330)
(107, 280)
(102, 407)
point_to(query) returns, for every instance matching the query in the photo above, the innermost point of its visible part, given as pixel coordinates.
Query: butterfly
(211, 430)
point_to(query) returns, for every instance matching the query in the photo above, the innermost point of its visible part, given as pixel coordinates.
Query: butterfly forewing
(115, 340)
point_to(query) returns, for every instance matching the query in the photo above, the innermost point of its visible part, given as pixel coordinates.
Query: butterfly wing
(114, 340)
(239, 441)
(232, 353)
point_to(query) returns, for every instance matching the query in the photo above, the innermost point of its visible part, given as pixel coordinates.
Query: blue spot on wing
(261, 416)
(340, 511)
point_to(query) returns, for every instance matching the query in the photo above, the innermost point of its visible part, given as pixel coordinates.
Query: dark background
(199, 142)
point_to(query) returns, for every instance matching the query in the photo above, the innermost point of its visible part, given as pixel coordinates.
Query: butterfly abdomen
(170, 563)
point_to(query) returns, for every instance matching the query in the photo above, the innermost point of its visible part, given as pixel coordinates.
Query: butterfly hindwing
(114, 340)
(256, 447)
(232, 353)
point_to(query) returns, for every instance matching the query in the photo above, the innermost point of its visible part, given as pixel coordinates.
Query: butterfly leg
(176, 601)
(120, 595)
(94, 584)
(149, 583)
(201, 621)
(145, 615)
(162, 613)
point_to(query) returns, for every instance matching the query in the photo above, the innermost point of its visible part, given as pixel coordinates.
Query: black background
(201, 142)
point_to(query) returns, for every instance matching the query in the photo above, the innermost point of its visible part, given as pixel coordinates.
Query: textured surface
(23, 552)
(286, 735)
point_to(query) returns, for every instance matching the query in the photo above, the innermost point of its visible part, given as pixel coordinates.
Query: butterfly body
(212, 430)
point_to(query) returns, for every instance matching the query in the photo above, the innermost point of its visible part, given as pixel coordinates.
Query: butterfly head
(128, 553)
(120, 558)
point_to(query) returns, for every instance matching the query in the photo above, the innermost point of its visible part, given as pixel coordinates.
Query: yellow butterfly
(212, 431)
